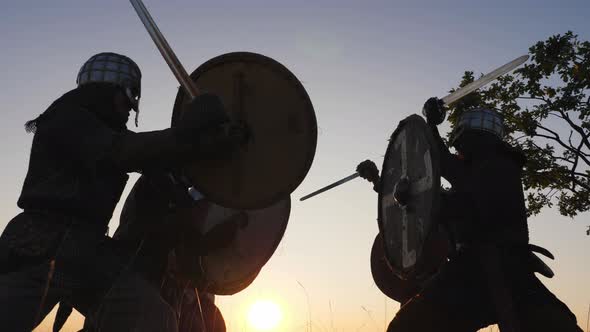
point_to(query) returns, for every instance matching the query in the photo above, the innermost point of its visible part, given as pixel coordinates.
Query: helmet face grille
(112, 68)
(482, 119)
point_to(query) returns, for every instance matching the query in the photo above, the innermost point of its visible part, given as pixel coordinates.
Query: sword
(164, 48)
(485, 79)
(450, 98)
(330, 186)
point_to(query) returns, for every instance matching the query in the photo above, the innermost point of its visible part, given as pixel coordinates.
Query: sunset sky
(366, 65)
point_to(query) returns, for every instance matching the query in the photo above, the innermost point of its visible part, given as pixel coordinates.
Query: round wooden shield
(412, 155)
(272, 104)
(388, 282)
(230, 269)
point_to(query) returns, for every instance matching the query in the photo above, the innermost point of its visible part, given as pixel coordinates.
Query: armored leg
(457, 300)
(541, 311)
(454, 300)
(418, 315)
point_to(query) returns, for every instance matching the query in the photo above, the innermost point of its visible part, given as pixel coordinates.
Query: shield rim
(281, 70)
(234, 287)
(413, 272)
(392, 285)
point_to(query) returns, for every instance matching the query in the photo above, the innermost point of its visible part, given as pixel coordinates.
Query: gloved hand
(434, 111)
(205, 113)
(205, 125)
(368, 171)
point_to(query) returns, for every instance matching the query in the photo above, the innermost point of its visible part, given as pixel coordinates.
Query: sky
(366, 65)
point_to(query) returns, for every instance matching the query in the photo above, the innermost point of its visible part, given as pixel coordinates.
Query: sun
(264, 315)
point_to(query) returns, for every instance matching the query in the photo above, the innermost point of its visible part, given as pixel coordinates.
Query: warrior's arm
(451, 168)
(89, 142)
(199, 135)
(154, 150)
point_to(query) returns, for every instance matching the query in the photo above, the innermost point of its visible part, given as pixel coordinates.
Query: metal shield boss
(409, 197)
(229, 269)
(272, 104)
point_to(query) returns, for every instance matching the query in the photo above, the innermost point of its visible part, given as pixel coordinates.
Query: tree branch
(532, 98)
(565, 116)
(576, 159)
(555, 114)
(552, 193)
(564, 159)
(577, 128)
(557, 139)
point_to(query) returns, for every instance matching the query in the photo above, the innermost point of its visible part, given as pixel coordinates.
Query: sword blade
(485, 79)
(330, 186)
(165, 49)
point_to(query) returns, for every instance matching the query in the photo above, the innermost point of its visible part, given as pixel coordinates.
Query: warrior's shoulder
(64, 117)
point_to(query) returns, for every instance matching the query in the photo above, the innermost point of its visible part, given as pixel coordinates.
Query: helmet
(116, 69)
(479, 119)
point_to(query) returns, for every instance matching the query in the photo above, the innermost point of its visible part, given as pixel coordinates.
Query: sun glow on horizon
(264, 315)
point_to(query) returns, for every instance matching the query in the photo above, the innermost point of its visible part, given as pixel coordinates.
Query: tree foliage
(546, 106)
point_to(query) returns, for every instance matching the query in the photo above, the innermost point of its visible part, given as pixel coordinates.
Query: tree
(546, 106)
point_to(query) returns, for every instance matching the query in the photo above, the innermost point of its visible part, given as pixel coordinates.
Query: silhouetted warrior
(56, 250)
(490, 278)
